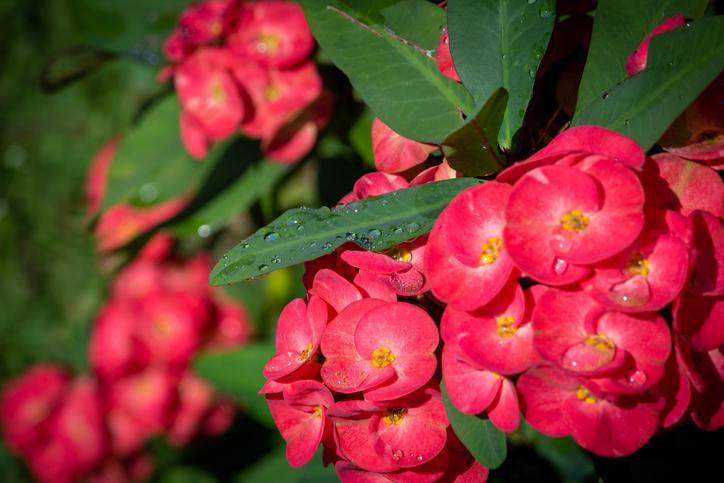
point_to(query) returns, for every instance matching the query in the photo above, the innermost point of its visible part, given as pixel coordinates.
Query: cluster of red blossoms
(245, 65)
(583, 288)
(94, 427)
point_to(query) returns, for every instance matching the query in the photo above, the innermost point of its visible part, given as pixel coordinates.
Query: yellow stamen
(585, 395)
(490, 251)
(394, 416)
(217, 92)
(708, 137)
(600, 342)
(505, 326)
(272, 92)
(318, 411)
(400, 253)
(382, 357)
(215, 28)
(306, 353)
(574, 220)
(638, 265)
(267, 43)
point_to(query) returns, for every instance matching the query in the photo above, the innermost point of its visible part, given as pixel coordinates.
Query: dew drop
(324, 212)
(546, 11)
(276, 260)
(327, 245)
(271, 236)
(626, 122)
(412, 227)
(262, 267)
(537, 53)
(637, 378)
(396, 229)
(605, 96)
(374, 233)
(560, 266)
(531, 72)
(631, 293)
(531, 2)
(203, 231)
(397, 454)
(420, 457)
(350, 236)
(292, 221)
(300, 227)
(313, 244)
(245, 245)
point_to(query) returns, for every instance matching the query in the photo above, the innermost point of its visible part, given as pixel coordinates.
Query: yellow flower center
(217, 92)
(708, 137)
(394, 416)
(638, 265)
(216, 27)
(382, 357)
(600, 342)
(318, 411)
(272, 92)
(400, 253)
(267, 43)
(490, 251)
(585, 395)
(306, 353)
(505, 326)
(574, 220)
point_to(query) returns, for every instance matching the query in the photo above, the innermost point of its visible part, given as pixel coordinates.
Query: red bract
(618, 352)
(443, 57)
(636, 62)
(300, 413)
(386, 436)
(557, 403)
(707, 277)
(27, 402)
(648, 275)
(394, 153)
(272, 33)
(560, 218)
(466, 260)
(299, 332)
(706, 373)
(95, 184)
(383, 349)
(700, 320)
(334, 289)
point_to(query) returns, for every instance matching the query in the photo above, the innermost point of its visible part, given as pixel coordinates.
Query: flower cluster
(159, 314)
(245, 65)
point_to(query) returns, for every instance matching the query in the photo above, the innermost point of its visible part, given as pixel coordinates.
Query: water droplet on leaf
(271, 236)
(374, 233)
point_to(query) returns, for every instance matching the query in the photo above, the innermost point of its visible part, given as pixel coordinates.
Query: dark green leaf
(256, 178)
(681, 63)
(473, 149)
(360, 137)
(500, 43)
(386, 47)
(620, 26)
(484, 441)
(301, 234)
(132, 27)
(238, 373)
(275, 468)
(186, 474)
(151, 164)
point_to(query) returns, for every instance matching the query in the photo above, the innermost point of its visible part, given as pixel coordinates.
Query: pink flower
(299, 332)
(394, 153)
(636, 62)
(618, 352)
(300, 413)
(401, 267)
(232, 325)
(561, 218)
(466, 260)
(707, 277)
(334, 289)
(374, 184)
(383, 349)
(557, 403)
(208, 94)
(195, 400)
(27, 402)
(706, 373)
(443, 57)
(648, 275)
(499, 335)
(272, 33)
(386, 436)
(206, 22)
(685, 186)
(578, 142)
(112, 347)
(700, 320)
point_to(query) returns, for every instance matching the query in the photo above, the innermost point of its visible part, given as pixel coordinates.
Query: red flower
(394, 153)
(636, 62)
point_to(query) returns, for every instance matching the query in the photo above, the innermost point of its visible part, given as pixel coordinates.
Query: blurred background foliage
(52, 282)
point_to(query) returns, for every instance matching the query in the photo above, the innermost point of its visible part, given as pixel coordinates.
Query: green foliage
(375, 223)
(484, 441)
(681, 63)
(619, 28)
(389, 59)
(238, 373)
(274, 467)
(473, 149)
(500, 43)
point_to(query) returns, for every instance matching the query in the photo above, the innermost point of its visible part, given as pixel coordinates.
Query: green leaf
(151, 165)
(472, 149)
(681, 63)
(484, 441)
(619, 28)
(500, 43)
(256, 178)
(386, 48)
(238, 373)
(275, 468)
(360, 137)
(301, 234)
(186, 474)
(132, 27)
